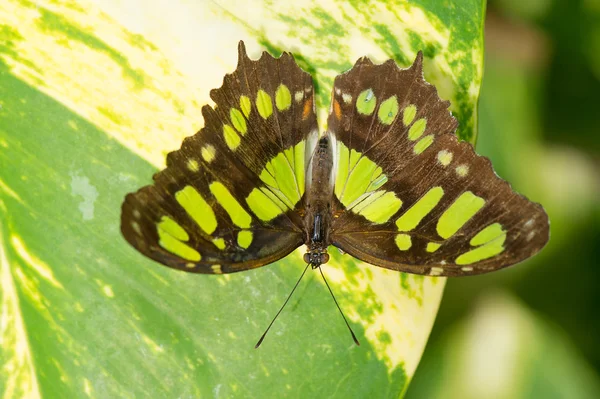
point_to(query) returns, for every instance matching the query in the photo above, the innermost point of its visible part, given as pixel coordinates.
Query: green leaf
(88, 112)
(504, 351)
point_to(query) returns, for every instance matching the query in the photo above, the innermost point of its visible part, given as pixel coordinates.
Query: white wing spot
(308, 89)
(192, 165)
(436, 271)
(530, 235)
(347, 98)
(529, 223)
(444, 157)
(208, 153)
(136, 227)
(462, 170)
(298, 96)
(338, 91)
(136, 214)
(466, 269)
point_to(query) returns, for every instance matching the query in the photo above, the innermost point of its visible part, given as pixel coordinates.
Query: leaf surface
(88, 111)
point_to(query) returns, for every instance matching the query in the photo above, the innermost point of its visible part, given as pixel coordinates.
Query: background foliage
(532, 331)
(92, 95)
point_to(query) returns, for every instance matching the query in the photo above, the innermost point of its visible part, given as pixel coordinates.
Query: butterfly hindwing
(409, 195)
(228, 200)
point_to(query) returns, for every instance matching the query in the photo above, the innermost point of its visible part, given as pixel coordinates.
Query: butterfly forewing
(408, 195)
(230, 198)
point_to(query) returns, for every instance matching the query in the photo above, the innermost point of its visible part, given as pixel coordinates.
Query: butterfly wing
(409, 195)
(229, 199)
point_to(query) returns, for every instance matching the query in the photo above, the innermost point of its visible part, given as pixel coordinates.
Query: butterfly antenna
(283, 306)
(340, 309)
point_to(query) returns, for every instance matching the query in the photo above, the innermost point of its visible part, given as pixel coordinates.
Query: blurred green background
(536, 325)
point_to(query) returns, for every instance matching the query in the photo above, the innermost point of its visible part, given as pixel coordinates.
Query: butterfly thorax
(319, 197)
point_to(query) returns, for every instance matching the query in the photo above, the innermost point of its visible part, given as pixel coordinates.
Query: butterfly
(388, 183)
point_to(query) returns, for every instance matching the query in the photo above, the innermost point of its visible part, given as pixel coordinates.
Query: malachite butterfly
(388, 182)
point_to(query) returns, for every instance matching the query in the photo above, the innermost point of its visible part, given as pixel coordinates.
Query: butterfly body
(319, 210)
(388, 183)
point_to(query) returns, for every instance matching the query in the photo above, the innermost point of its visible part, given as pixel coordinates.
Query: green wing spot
(490, 242)
(267, 177)
(379, 179)
(357, 191)
(343, 156)
(488, 234)
(283, 98)
(197, 208)
(403, 242)
(170, 235)
(284, 174)
(276, 199)
(388, 110)
(245, 105)
(423, 144)
(299, 164)
(232, 139)
(264, 104)
(488, 250)
(409, 114)
(285, 177)
(359, 180)
(361, 202)
(171, 227)
(176, 247)
(382, 208)
(417, 129)
(275, 192)
(219, 243)
(356, 180)
(265, 207)
(238, 120)
(413, 216)
(433, 246)
(366, 102)
(238, 215)
(457, 214)
(244, 238)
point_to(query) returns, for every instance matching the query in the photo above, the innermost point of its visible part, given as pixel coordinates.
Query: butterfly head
(316, 257)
